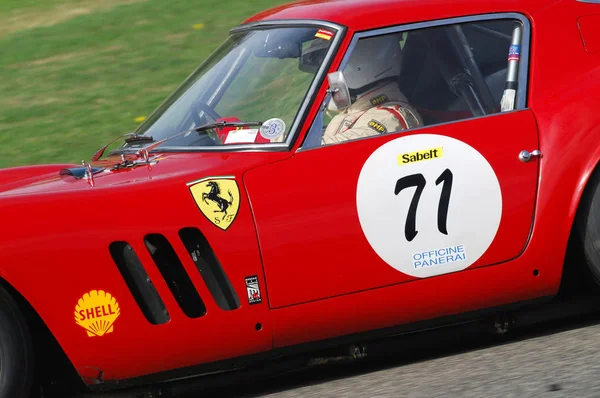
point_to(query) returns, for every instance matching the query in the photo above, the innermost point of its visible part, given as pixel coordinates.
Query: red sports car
(336, 170)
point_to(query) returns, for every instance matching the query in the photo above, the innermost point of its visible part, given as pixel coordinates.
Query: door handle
(525, 156)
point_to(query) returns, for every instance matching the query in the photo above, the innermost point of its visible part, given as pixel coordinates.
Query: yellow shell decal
(96, 312)
(218, 199)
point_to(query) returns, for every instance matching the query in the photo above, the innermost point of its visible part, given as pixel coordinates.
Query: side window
(423, 77)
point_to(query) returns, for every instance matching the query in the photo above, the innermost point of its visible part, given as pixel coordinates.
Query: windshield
(255, 76)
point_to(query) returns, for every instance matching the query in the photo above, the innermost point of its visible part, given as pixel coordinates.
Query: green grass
(76, 73)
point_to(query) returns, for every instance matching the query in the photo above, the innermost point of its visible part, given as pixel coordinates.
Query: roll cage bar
(460, 70)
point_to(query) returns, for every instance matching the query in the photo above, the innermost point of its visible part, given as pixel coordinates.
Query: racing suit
(381, 110)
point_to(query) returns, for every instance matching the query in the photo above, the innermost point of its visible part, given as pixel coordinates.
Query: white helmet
(373, 59)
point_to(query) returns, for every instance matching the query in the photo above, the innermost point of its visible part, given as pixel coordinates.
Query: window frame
(521, 99)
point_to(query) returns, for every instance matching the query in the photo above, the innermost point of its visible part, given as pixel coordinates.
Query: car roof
(368, 14)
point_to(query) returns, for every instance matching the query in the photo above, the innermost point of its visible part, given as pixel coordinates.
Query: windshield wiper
(226, 124)
(135, 138)
(139, 138)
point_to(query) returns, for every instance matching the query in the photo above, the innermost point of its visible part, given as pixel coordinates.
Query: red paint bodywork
(322, 227)
(319, 278)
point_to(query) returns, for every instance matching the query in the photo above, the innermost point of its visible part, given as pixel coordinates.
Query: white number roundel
(428, 204)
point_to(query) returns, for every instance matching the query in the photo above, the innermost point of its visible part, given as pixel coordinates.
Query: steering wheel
(198, 107)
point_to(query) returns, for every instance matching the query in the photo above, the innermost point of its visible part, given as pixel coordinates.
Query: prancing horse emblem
(209, 196)
(214, 196)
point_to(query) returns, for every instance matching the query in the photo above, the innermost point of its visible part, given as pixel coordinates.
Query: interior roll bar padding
(460, 82)
(467, 58)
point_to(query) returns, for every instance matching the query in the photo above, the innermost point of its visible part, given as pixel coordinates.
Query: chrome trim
(286, 22)
(589, 1)
(525, 49)
(525, 156)
(308, 99)
(220, 148)
(89, 173)
(227, 177)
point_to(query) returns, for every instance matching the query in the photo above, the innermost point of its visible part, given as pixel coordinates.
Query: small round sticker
(428, 204)
(272, 128)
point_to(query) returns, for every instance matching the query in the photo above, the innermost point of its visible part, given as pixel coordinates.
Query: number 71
(418, 181)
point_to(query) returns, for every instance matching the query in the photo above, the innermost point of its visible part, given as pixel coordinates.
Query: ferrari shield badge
(218, 199)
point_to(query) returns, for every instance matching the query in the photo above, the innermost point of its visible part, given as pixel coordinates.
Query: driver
(378, 105)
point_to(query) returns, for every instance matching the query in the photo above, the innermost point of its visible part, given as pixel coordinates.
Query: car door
(451, 194)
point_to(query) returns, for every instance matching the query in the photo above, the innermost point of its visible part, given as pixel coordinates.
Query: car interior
(436, 68)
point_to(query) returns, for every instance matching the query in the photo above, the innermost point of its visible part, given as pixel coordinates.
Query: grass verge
(76, 73)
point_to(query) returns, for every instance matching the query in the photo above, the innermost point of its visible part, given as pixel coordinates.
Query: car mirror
(338, 88)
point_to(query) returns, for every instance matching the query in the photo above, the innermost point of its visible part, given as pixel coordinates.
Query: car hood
(48, 179)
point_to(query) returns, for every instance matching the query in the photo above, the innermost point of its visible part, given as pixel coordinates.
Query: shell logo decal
(96, 312)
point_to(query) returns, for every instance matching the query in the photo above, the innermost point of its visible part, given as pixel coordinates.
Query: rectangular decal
(514, 52)
(254, 296)
(419, 156)
(324, 34)
(244, 136)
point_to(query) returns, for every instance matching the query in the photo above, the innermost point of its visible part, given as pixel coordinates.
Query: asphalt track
(554, 359)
